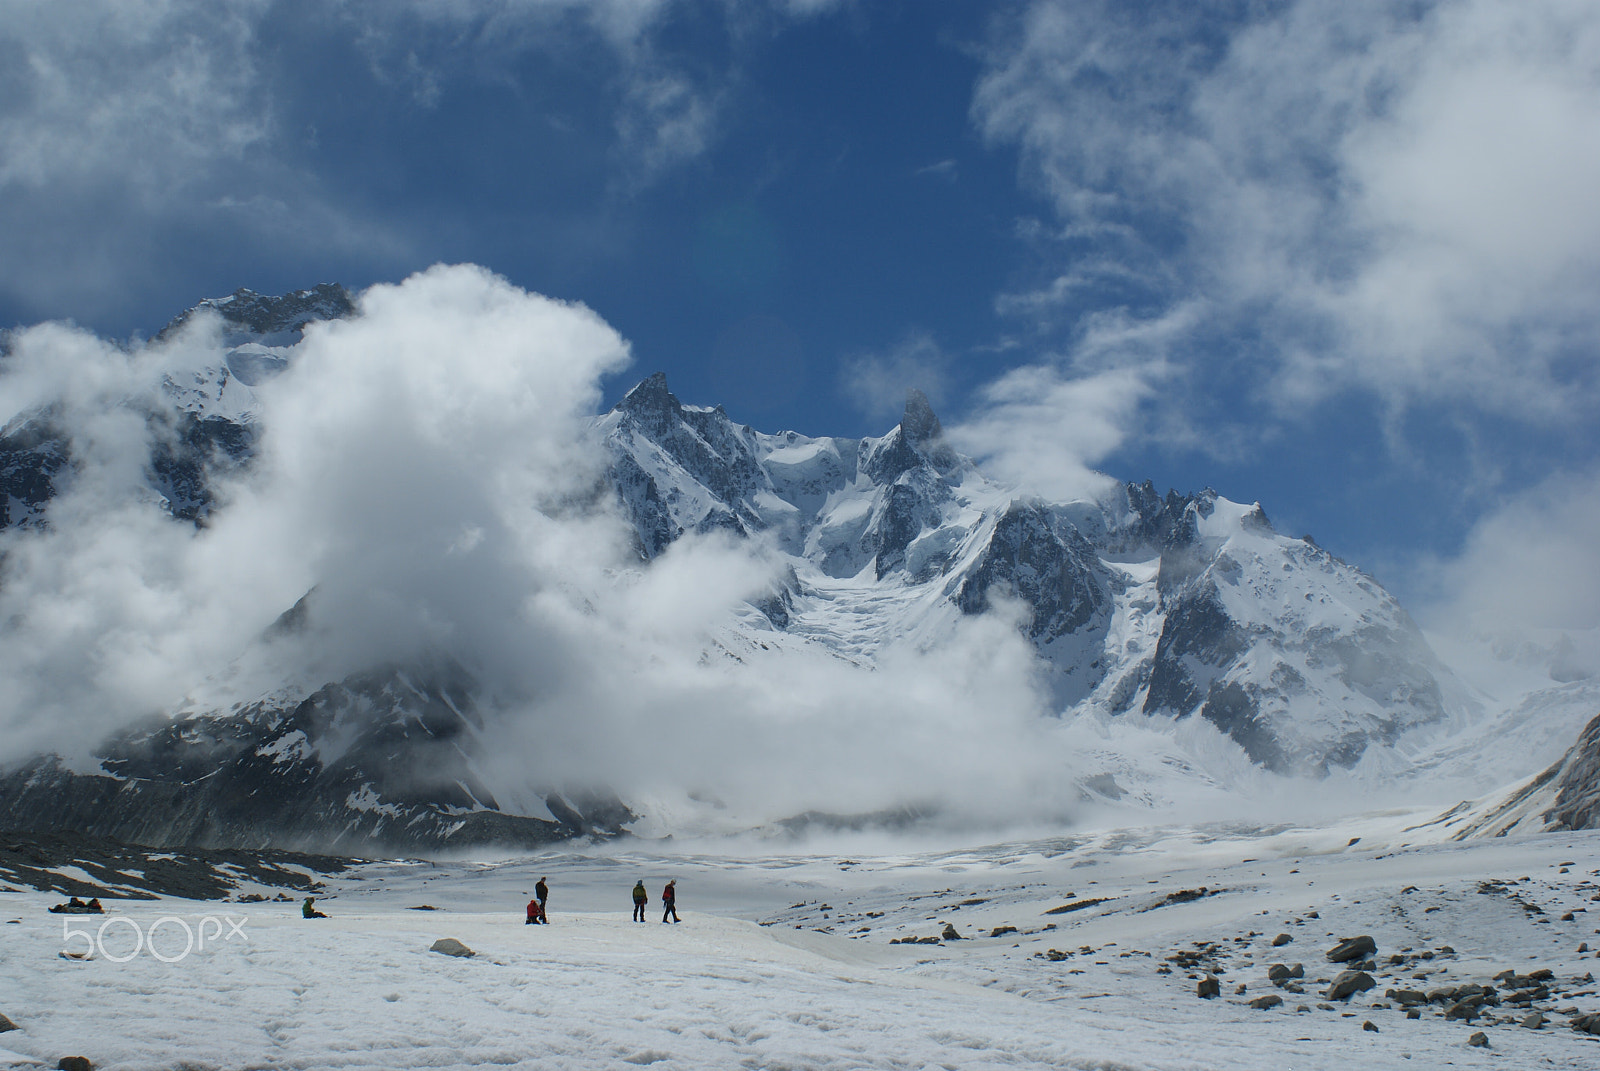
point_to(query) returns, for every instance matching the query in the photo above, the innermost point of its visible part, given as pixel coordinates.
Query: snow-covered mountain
(1166, 610)
(1187, 605)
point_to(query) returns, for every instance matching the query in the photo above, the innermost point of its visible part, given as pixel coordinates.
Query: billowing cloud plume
(427, 470)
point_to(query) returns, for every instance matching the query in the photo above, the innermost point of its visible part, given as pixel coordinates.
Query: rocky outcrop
(1577, 784)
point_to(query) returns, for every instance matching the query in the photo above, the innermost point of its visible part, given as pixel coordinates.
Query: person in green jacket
(309, 911)
(640, 898)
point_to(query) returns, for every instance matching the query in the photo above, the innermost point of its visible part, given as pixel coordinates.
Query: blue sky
(1341, 256)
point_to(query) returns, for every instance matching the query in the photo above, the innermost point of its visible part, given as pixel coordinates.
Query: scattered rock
(1479, 1040)
(1406, 996)
(1278, 974)
(1587, 1024)
(950, 933)
(7, 1024)
(1001, 931)
(1368, 1025)
(1209, 987)
(449, 946)
(1348, 983)
(1533, 1021)
(1352, 948)
(1271, 1000)
(1281, 940)
(423, 907)
(1583, 948)
(74, 1063)
(1413, 1014)
(1240, 990)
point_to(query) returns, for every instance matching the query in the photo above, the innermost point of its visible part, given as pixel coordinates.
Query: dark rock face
(1058, 574)
(33, 455)
(181, 464)
(1577, 784)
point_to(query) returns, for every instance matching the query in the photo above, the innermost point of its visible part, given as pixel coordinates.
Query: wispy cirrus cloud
(1396, 194)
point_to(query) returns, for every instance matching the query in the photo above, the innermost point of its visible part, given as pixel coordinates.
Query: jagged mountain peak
(271, 315)
(919, 422)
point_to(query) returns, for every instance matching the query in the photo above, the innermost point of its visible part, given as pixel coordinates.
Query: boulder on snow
(950, 933)
(7, 1024)
(1349, 983)
(1281, 940)
(1209, 987)
(74, 1063)
(1352, 948)
(1479, 1040)
(1271, 1000)
(449, 946)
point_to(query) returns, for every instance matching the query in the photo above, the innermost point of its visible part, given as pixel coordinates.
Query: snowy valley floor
(785, 961)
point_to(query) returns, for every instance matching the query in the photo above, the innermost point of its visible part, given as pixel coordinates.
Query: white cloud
(1532, 563)
(426, 467)
(876, 383)
(144, 92)
(1397, 196)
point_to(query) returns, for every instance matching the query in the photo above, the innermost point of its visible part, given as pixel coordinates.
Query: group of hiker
(669, 901)
(536, 906)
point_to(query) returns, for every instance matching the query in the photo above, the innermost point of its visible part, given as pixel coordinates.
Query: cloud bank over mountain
(427, 471)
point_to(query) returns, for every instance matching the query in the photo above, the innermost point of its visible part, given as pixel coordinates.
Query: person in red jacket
(535, 913)
(669, 899)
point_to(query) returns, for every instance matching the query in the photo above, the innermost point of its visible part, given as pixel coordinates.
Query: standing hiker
(669, 899)
(640, 898)
(542, 891)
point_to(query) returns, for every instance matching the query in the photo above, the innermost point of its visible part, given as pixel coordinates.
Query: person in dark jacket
(542, 891)
(640, 898)
(669, 899)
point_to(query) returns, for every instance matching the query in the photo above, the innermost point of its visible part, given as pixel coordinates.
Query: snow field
(783, 960)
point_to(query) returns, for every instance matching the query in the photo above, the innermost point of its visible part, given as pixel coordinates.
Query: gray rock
(1533, 1021)
(1271, 1000)
(1349, 983)
(1587, 1024)
(1369, 1025)
(1209, 987)
(1278, 974)
(1480, 1040)
(950, 933)
(1352, 948)
(7, 1024)
(449, 946)
(1281, 940)
(1413, 1014)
